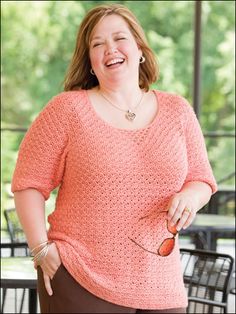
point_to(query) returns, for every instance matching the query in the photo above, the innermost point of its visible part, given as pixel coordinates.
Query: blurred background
(38, 39)
(194, 42)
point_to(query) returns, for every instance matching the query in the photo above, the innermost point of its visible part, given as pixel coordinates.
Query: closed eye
(120, 38)
(97, 44)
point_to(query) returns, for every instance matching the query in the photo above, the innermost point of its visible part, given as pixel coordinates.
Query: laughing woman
(132, 170)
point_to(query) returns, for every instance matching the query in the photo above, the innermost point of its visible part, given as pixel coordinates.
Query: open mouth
(114, 62)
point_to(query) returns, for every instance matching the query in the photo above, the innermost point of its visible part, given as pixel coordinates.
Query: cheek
(96, 58)
(125, 48)
(129, 50)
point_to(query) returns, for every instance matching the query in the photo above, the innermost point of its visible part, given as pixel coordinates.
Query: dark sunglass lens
(166, 247)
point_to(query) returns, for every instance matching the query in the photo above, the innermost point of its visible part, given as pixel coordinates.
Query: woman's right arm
(30, 207)
(39, 170)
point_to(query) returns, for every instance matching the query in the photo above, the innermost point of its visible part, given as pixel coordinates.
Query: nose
(110, 48)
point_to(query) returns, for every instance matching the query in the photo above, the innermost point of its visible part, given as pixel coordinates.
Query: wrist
(39, 252)
(38, 247)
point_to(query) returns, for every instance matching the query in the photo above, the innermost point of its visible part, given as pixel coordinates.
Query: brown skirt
(70, 297)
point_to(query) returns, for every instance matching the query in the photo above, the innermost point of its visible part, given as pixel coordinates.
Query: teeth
(114, 61)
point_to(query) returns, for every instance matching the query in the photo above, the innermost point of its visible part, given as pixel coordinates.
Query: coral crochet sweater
(109, 178)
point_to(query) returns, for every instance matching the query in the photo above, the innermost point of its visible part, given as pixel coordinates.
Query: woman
(132, 168)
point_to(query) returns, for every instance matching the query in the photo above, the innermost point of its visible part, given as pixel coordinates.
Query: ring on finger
(187, 210)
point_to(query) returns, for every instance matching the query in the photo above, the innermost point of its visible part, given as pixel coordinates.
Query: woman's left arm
(199, 183)
(183, 206)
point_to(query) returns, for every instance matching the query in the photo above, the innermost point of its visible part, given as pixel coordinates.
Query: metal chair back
(207, 276)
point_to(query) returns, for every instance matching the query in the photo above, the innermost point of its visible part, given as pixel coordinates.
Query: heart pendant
(130, 115)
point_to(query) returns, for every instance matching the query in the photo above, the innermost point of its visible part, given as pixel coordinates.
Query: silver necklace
(130, 113)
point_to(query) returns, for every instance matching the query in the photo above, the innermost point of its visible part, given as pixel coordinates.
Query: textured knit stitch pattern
(108, 179)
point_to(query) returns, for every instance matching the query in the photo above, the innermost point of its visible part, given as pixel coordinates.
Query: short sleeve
(199, 168)
(42, 154)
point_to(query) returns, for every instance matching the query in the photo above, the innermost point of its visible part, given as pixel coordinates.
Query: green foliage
(38, 39)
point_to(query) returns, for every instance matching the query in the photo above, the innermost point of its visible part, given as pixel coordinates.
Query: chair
(207, 276)
(18, 247)
(15, 231)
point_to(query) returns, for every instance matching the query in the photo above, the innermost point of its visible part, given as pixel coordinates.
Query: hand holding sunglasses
(167, 245)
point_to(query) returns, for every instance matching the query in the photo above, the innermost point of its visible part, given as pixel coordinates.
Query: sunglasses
(167, 245)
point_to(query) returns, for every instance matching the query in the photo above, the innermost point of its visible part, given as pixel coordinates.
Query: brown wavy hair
(78, 75)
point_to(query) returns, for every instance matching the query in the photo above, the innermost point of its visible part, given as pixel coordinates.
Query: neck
(126, 95)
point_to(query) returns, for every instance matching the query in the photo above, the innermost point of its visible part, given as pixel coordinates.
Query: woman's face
(114, 54)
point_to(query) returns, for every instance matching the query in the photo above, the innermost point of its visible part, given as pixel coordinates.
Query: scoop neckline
(107, 124)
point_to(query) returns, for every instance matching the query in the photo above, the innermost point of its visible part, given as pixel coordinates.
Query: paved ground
(223, 247)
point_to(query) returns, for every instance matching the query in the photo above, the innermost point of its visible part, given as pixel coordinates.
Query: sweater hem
(131, 301)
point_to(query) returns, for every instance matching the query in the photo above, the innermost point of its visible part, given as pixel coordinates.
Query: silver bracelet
(38, 247)
(37, 258)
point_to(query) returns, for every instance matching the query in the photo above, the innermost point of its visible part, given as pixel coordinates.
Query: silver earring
(142, 59)
(92, 72)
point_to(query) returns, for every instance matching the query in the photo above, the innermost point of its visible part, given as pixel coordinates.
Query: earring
(142, 59)
(92, 72)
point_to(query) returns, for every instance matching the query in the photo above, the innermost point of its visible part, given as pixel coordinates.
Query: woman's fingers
(50, 264)
(48, 269)
(173, 204)
(180, 211)
(47, 284)
(189, 220)
(178, 214)
(186, 220)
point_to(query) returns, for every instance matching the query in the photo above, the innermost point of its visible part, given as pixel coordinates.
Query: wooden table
(19, 272)
(207, 228)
